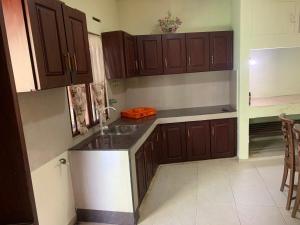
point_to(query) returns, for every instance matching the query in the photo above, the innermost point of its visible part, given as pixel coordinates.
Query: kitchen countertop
(125, 142)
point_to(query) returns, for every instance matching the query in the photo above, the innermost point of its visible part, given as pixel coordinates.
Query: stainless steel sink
(121, 130)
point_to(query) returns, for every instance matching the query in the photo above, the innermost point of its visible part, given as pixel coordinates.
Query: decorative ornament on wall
(169, 24)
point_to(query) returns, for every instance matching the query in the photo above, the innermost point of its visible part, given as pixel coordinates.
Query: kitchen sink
(121, 130)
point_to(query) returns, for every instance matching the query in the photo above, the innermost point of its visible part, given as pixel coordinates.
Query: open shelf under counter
(273, 106)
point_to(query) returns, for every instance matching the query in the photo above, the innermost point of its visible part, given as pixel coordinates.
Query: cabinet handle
(157, 137)
(165, 136)
(75, 62)
(189, 60)
(142, 64)
(189, 133)
(136, 65)
(166, 63)
(213, 131)
(212, 60)
(68, 62)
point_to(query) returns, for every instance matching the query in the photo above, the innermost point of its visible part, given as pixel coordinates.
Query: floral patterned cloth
(79, 102)
(99, 98)
(98, 88)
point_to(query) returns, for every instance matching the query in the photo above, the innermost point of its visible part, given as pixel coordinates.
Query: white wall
(53, 193)
(141, 16)
(276, 72)
(179, 91)
(48, 136)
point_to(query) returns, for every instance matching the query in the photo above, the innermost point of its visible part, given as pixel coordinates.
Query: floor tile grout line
(235, 201)
(267, 188)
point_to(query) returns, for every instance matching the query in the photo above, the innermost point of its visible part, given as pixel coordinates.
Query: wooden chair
(297, 165)
(290, 159)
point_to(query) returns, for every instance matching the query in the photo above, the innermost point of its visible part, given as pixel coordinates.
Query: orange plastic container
(138, 113)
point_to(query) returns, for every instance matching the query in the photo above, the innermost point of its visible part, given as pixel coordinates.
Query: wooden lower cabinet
(141, 173)
(198, 140)
(181, 142)
(148, 149)
(223, 138)
(156, 150)
(174, 143)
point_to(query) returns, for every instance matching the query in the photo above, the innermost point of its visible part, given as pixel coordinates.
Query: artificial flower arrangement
(169, 24)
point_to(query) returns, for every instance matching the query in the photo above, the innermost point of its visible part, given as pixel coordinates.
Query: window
(91, 116)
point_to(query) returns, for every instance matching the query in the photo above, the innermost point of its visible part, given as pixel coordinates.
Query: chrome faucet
(102, 127)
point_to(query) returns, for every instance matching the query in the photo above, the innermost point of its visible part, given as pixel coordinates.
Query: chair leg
(297, 202)
(291, 190)
(284, 177)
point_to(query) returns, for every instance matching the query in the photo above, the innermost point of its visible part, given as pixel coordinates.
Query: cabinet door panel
(150, 54)
(148, 161)
(157, 153)
(49, 40)
(174, 142)
(197, 46)
(198, 142)
(130, 49)
(113, 53)
(221, 50)
(174, 53)
(78, 46)
(141, 173)
(223, 138)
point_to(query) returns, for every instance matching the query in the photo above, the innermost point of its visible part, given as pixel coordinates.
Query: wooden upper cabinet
(113, 46)
(223, 138)
(198, 140)
(197, 48)
(18, 45)
(120, 55)
(174, 53)
(78, 45)
(221, 50)
(50, 52)
(150, 54)
(131, 60)
(174, 143)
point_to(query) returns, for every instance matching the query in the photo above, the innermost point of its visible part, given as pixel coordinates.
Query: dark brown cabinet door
(223, 138)
(198, 140)
(148, 148)
(174, 143)
(150, 54)
(50, 45)
(113, 52)
(156, 153)
(221, 50)
(78, 45)
(141, 173)
(174, 53)
(130, 49)
(197, 47)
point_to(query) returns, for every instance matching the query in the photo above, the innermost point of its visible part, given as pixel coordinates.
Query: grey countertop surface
(98, 142)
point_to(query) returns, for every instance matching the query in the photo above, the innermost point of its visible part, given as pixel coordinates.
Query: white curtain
(99, 87)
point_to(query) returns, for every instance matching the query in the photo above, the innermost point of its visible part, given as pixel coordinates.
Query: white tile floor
(217, 192)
